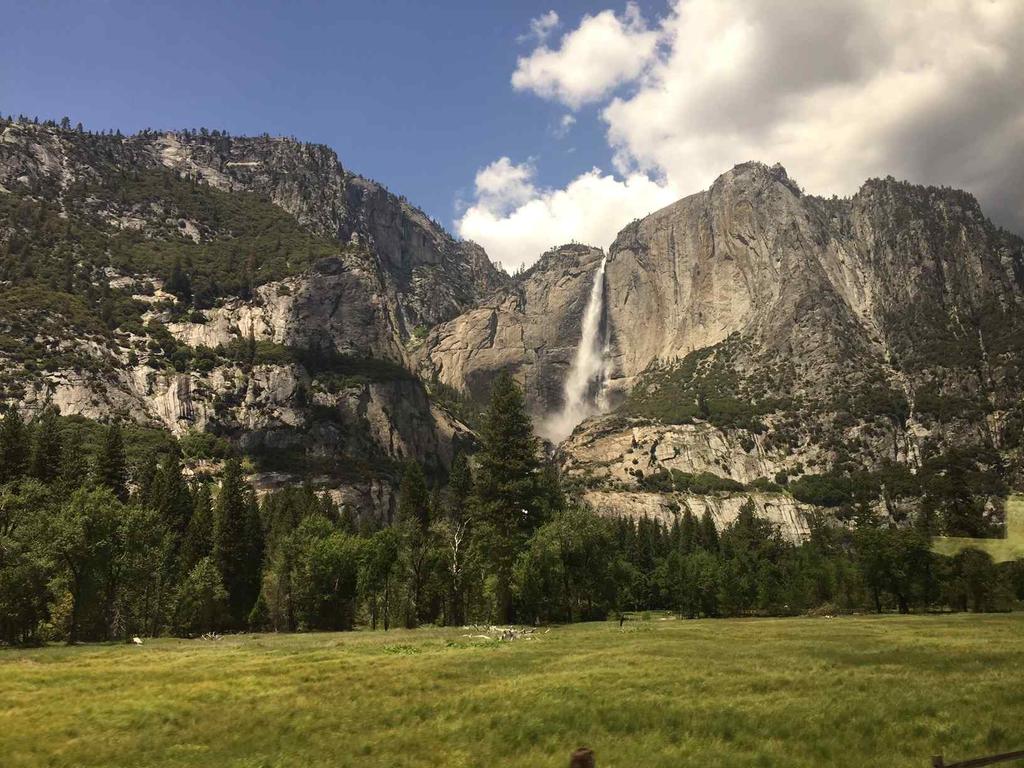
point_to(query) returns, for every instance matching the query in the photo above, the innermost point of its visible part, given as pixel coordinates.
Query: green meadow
(850, 691)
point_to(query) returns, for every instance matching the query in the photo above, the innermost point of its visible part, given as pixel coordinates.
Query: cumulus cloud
(931, 92)
(502, 186)
(603, 52)
(837, 92)
(591, 209)
(541, 27)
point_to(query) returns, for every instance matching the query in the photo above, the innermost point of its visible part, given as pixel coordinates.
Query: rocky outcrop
(827, 284)
(615, 449)
(437, 276)
(831, 289)
(340, 304)
(752, 329)
(790, 516)
(529, 330)
(428, 275)
(758, 330)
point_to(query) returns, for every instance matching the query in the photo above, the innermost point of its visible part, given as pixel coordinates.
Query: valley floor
(865, 691)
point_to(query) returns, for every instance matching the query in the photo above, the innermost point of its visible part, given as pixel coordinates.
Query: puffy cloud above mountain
(837, 92)
(516, 221)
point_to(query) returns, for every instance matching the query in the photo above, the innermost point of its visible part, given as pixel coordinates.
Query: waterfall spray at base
(586, 385)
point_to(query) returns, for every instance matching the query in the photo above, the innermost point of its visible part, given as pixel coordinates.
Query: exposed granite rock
(428, 275)
(530, 330)
(395, 272)
(828, 284)
(824, 313)
(613, 449)
(900, 288)
(791, 516)
(337, 305)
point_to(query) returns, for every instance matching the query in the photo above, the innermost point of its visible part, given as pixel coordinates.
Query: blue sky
(414, 94)
(456, 102)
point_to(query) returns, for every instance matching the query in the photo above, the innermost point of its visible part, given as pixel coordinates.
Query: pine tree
(688, 533)
(111, 465)
(254, 545)
(198, 541)
(413, 497)
(414, 525)
(46, 447)
(708, 534)
(170, 496)
(178, 283)
(460, 488)
(74, 466)
(144, 476)
(454, 529)
(510, 490)
(235, 549)
(14, 446)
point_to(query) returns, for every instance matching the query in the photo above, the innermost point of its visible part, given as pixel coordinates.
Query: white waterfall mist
(586, 385)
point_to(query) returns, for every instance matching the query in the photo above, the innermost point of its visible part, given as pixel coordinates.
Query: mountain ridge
(752, 328)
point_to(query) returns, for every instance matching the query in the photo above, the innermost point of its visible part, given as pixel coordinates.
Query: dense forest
(105, 535)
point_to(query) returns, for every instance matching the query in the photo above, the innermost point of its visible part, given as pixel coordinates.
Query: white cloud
(591, 209)
(605, 51)
(932, 92)
(502, 186)
(837, 92)
(565, 124)
(541, 27)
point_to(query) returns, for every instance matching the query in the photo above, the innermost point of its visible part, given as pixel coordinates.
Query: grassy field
(886, 691)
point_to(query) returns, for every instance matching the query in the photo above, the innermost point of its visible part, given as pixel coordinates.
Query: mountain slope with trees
(248, 288)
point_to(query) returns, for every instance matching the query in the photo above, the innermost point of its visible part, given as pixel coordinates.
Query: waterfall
(586, 385)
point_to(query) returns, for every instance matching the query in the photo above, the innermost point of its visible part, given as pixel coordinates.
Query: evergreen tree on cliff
(514, 496)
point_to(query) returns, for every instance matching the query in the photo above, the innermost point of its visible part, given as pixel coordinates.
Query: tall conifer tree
(512, 493)
(237, 542)
(46, 447)
(14, 446)
(198, 542)
(170, 496)
(414, 525)
(111, 464)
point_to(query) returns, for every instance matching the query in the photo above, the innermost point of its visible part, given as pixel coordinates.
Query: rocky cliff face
(294, 335)
(759, 333)
(821, 281)
(529, 329)
(430, 276)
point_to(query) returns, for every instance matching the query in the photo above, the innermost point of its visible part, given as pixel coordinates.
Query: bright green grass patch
(764, 692)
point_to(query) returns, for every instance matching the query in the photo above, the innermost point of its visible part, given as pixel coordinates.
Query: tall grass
(883, 691)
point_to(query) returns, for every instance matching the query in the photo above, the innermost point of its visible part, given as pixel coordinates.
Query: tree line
(94, 549)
